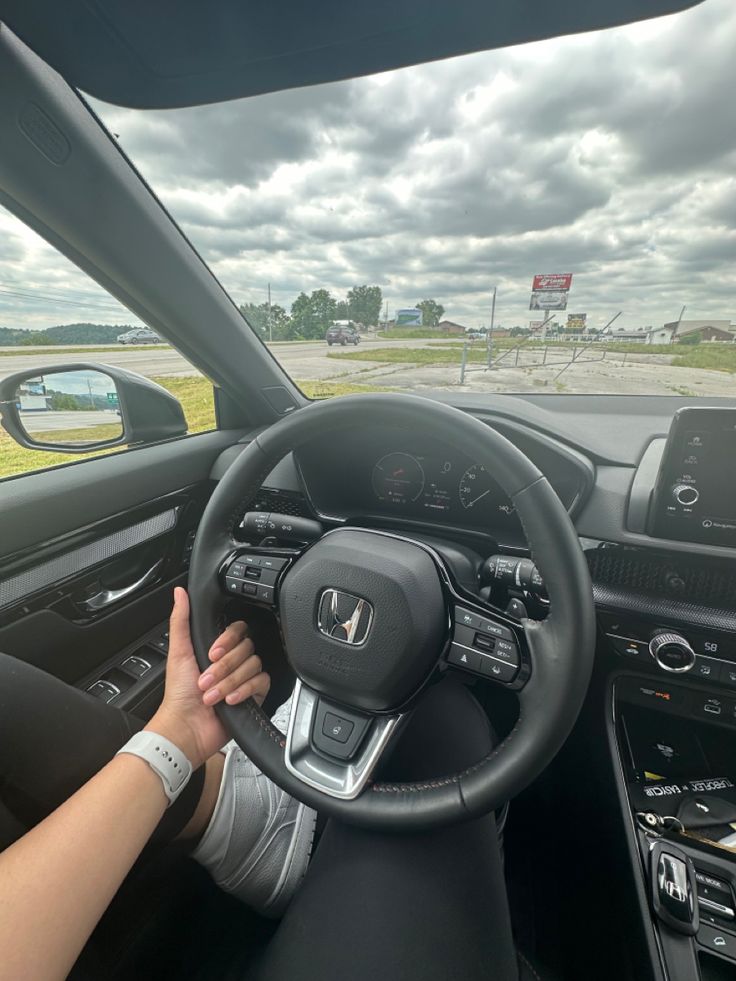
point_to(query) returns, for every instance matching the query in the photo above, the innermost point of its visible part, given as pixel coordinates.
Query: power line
(84, 304)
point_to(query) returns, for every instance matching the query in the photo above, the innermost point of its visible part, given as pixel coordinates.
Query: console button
(706, 668)
(499, 670)
(463, 658)
(136, 665)
(104, 690)
(718, 940)
(728, 674)
(629, 648)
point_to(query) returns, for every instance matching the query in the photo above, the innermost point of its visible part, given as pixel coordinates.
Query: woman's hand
(186, 716)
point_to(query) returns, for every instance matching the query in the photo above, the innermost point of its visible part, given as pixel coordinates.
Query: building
(449, 327)
(708, 330)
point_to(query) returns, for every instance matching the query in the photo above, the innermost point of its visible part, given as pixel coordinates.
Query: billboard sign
(548, 300)
(552, 281)
(577, 321)
(409, 317)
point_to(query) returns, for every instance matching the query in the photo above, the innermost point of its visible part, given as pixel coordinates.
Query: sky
(609, 155)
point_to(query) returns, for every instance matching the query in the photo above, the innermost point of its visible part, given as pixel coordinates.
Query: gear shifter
(674, 893)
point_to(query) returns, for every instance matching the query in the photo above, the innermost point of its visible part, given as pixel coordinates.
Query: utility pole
(489, 335)
(270, 329)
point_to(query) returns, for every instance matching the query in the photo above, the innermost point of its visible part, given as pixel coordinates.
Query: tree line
(311, 315)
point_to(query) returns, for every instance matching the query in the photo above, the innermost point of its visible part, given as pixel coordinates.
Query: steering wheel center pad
(561, 647)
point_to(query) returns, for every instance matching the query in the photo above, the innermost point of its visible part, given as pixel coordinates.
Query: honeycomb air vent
(660, 575)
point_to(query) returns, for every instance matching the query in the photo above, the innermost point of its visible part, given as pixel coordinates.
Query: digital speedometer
(398, 478)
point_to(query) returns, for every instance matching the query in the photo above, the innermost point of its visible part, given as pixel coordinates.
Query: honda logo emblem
(344, 617)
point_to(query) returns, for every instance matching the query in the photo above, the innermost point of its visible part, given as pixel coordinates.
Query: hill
(63, 334)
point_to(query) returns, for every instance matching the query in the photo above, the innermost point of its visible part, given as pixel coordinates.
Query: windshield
(555, 217)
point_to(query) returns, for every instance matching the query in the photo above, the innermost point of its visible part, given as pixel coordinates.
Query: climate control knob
(686, 494)
(672, 652)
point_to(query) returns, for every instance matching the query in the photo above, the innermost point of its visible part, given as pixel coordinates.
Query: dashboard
(402, 477)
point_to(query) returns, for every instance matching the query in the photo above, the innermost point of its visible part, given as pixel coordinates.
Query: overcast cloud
(609, 155)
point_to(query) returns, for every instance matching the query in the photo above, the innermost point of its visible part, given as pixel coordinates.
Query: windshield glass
(574, 195)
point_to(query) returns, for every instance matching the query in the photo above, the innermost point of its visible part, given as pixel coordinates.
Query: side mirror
(80, 407)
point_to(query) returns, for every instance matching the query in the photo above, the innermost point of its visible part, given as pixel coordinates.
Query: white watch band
(164, 758)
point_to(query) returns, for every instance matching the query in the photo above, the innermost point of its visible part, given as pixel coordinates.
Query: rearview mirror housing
(82, 407)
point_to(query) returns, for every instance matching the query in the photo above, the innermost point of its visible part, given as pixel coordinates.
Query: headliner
(175, 53)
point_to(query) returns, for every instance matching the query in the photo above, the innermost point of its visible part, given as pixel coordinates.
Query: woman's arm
(57, 880)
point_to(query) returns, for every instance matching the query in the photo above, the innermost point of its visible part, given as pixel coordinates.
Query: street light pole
(270, 330)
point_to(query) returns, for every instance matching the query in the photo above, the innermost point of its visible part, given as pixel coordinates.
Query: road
(639, 374)
(45, 422)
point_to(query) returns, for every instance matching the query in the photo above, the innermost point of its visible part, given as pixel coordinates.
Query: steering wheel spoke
(484, 644)
(334, 749)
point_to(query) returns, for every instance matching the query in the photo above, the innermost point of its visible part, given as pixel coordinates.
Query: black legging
(428, 906)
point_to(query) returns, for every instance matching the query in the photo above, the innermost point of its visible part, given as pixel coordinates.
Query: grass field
(25, 351)
(195, 396)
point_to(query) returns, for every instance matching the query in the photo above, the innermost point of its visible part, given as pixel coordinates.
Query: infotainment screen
(695, 496)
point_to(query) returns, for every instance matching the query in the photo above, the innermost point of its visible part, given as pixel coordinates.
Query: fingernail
(211, 696)
(233, 698)
(216, 652)
(206, 680)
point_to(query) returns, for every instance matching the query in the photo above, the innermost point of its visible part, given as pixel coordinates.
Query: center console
(667, 618)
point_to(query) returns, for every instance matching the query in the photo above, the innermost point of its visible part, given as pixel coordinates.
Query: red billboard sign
(552, 281)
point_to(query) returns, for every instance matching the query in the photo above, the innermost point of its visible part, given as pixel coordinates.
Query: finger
(228, 639)
(256, 688)
(180, 640)
(245, 672)
(227, 663)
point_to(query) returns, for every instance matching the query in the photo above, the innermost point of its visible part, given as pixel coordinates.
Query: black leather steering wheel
(369, 659)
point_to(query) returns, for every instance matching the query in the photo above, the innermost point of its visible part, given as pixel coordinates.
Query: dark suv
(342, 335)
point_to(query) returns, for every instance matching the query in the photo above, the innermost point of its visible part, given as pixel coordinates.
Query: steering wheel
(370, 618)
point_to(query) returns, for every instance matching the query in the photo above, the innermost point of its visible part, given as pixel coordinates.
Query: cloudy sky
(608, 155)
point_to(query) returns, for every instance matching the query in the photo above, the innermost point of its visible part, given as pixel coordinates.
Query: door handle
(106, 597)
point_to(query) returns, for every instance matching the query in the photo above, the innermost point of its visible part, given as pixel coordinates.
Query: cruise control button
(236, 569)
(463, 658)
(252, 560)
(273, 562)
(499, 670)
(495, 629)
(336, 728)
(466, 617)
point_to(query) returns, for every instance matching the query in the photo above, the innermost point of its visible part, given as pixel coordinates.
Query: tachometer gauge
(398, 478)
(476, 484)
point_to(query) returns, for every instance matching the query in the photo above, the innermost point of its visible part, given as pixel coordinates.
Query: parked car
(342, 335)
(475, 335)
(139, 335)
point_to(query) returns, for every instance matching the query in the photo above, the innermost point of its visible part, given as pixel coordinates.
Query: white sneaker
(259, 839)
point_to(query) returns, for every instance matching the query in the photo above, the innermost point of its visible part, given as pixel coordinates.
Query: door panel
(90, 555)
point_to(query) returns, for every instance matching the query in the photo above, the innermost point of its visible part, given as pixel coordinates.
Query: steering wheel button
(265, 594)
(251, 560)
(509, 654)
(336, 728)
(464, 658)
(232, 585)
(273, 562)
(496, 630)
(236, 569)
(498, 670)
(467, 618)
(250, 588)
